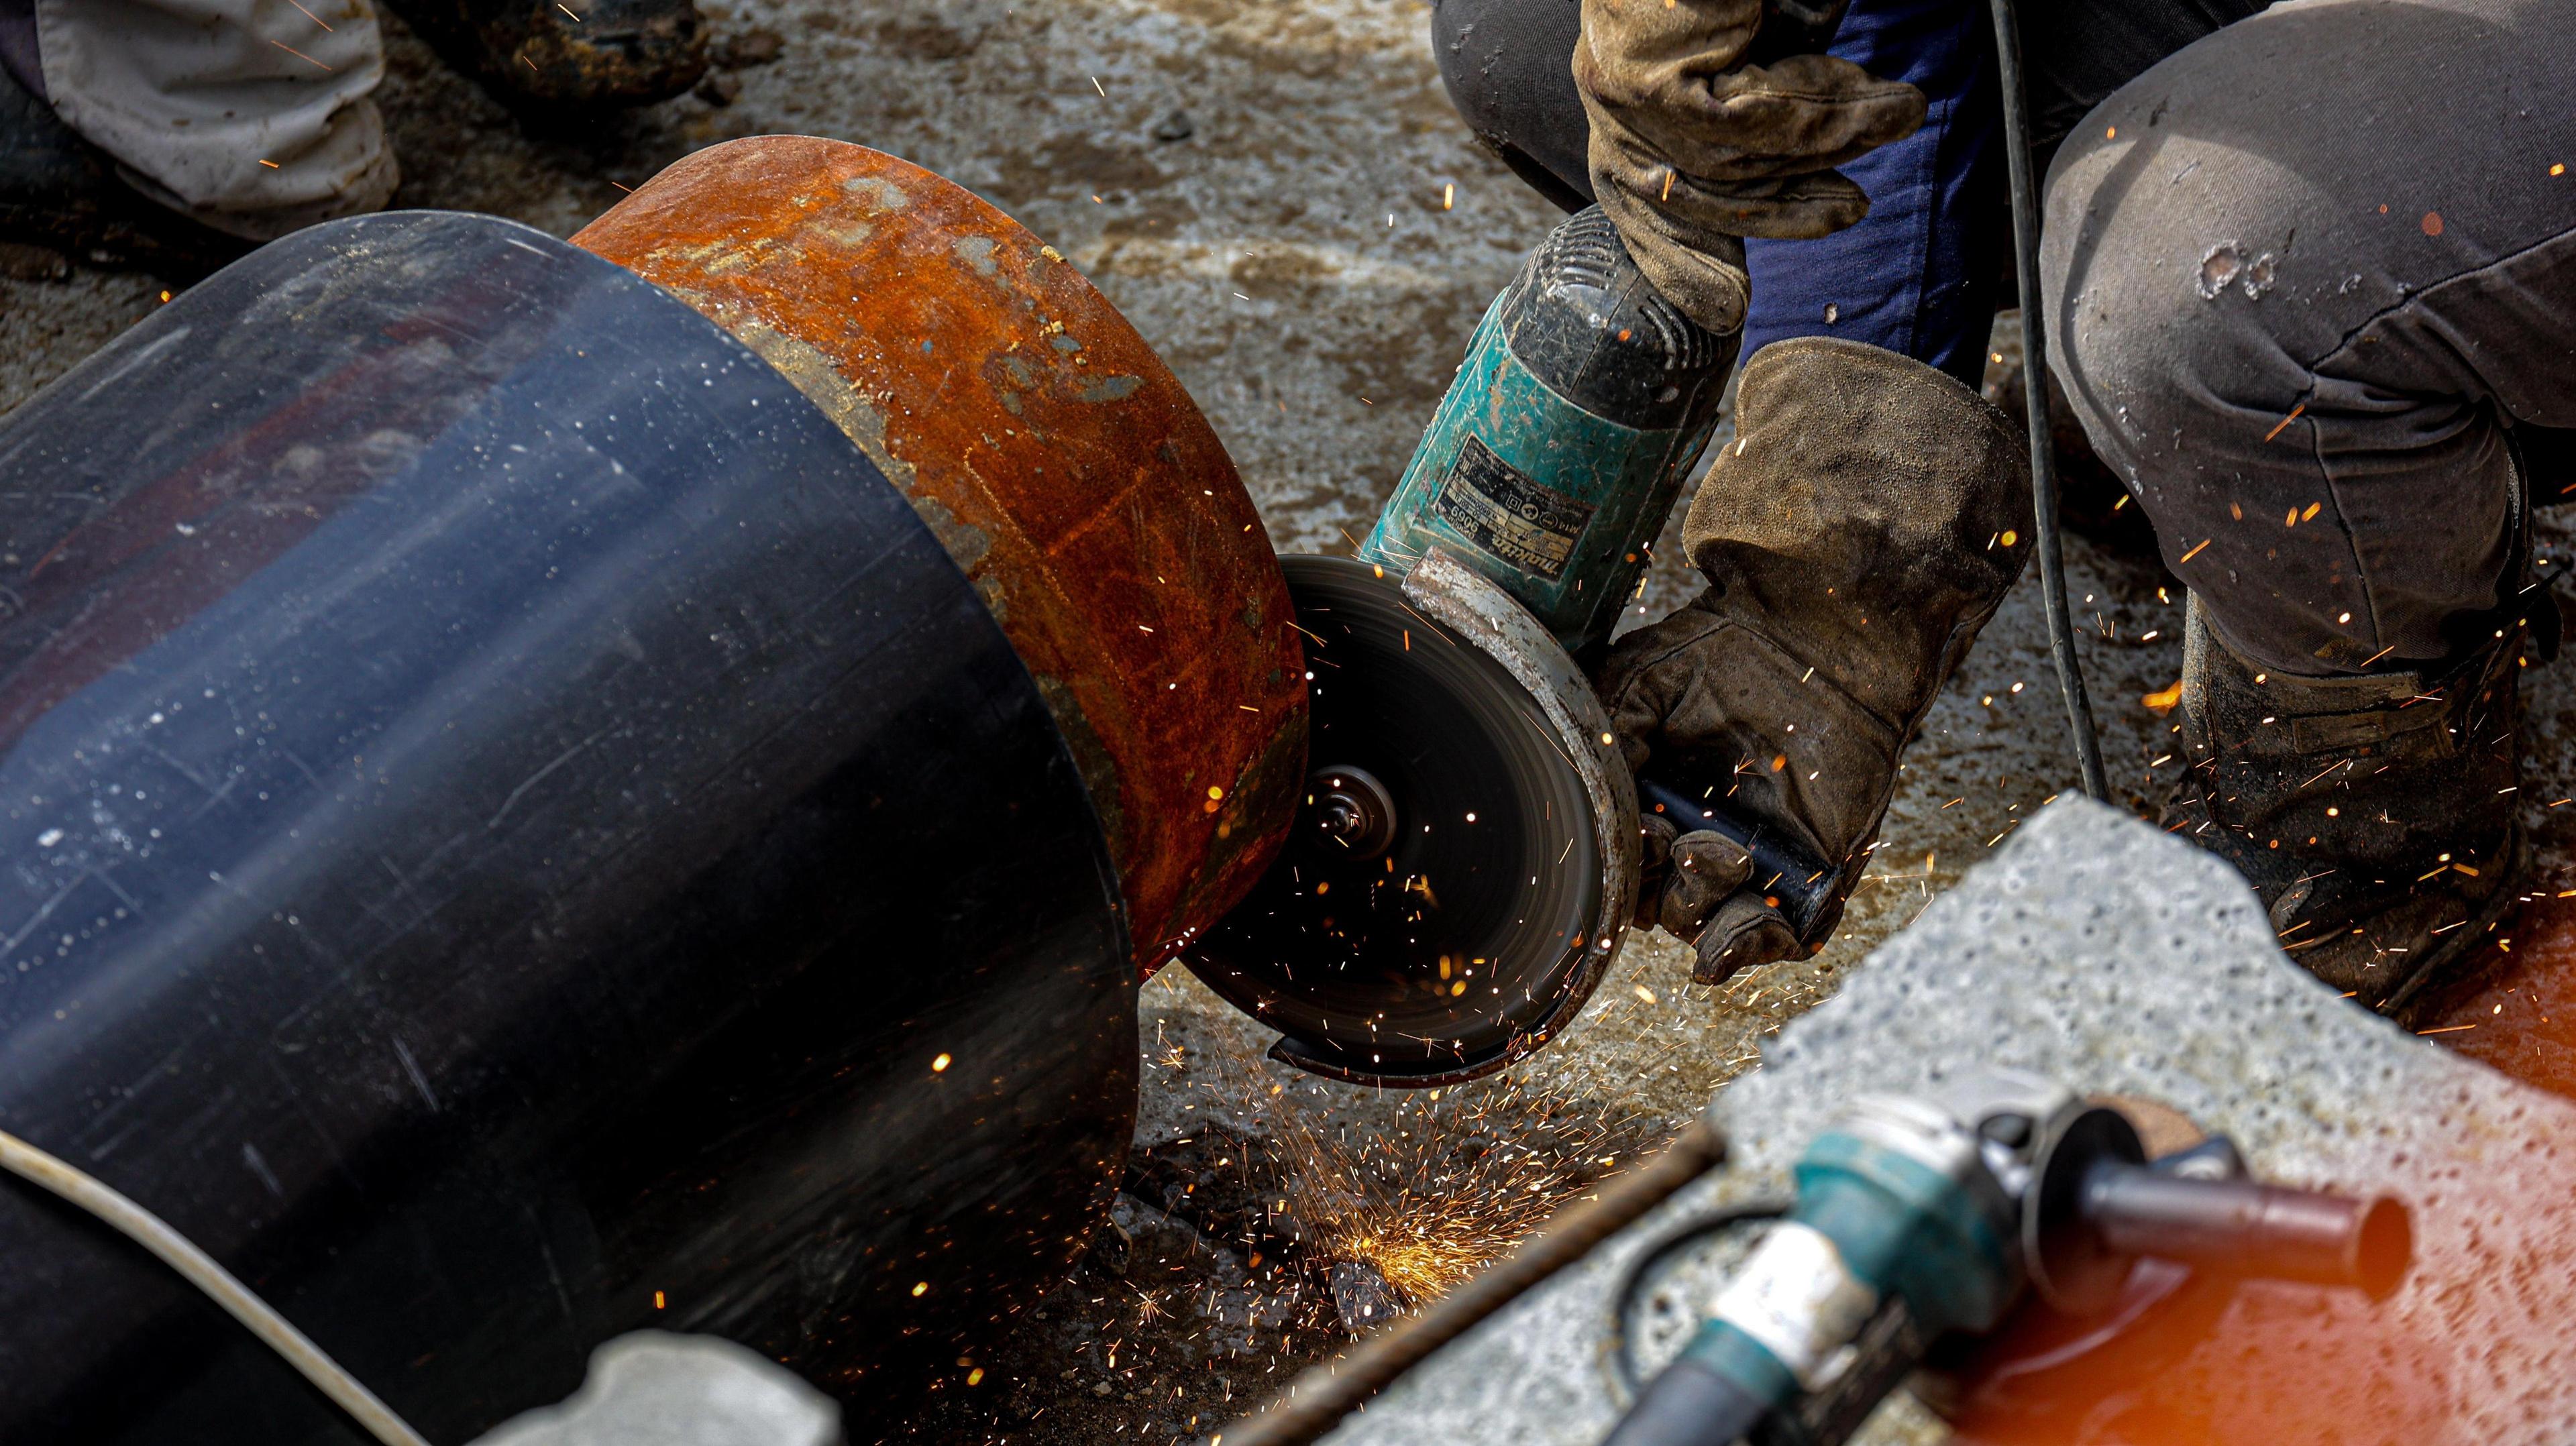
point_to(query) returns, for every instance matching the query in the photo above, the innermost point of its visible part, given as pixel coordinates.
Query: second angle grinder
(1466, 860)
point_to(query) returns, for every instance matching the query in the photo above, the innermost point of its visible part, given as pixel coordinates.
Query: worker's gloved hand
(1692, 149)
(1856, 535)
(1693, 885)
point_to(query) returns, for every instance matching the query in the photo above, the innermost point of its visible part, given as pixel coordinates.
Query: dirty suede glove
(1692, 149)
(1691, 886)
(1854, 540)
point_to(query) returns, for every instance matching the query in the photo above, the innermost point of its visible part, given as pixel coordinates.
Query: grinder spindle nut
(1353, 808)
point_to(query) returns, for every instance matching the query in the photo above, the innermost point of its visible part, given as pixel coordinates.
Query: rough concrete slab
(2100, 952)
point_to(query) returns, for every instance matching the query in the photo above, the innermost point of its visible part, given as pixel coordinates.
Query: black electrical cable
(1615, 1358)
(2034, 382)
(114, 1210)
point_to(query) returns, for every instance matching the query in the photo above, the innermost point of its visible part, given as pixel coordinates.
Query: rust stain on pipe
(1052, 452)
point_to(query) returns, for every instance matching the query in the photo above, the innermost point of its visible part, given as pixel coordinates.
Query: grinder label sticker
(1508, 514)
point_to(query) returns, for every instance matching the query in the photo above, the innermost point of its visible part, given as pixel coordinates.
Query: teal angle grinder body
(1560, 450)
(1552, 465)
(1468, 856)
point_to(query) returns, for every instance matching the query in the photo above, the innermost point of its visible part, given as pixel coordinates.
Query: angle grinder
(1925, 1217)
(1468, 855)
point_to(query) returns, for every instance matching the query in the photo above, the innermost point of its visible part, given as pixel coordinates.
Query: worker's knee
(1509, 69)
(2164, 343)
(2302, 394)
(2182, 308)
(2301, 371)
(2139, 349)
(2184, 367)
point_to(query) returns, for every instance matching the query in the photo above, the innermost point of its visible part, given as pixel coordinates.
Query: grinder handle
(2237, 1227)
(1805, 886)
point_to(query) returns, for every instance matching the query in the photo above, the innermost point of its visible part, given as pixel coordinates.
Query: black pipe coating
(512, 831)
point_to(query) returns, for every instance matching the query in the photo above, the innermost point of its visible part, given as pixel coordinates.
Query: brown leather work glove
(1692, 149)
(1853, 540)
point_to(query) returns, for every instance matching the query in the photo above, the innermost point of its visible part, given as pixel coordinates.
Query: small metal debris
(1363, 1297)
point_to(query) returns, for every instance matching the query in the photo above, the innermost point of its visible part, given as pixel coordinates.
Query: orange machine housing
(1052, 452)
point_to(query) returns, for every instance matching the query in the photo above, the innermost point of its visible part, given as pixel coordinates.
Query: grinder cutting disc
(1439, 908)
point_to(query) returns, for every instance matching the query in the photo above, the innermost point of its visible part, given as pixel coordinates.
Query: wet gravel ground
(1277, 194)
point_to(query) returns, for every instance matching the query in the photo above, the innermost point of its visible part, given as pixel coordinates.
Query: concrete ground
(1278, 195)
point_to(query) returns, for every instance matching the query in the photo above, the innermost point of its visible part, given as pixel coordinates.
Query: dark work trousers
(1918, 276)
(2247, 335)
(2312, 286)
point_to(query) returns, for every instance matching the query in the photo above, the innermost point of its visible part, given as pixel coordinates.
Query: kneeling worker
(2320, 317)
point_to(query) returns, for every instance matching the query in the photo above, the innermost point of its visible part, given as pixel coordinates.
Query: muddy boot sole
(2440, 967)
(60, 194)
(537, 58)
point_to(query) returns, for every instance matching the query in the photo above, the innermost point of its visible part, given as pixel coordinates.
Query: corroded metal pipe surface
(1062, 464)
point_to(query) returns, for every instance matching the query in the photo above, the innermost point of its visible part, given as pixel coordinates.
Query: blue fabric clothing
(1919, 274)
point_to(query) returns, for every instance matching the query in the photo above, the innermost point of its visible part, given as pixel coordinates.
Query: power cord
(200, 1270)
(2034, 382)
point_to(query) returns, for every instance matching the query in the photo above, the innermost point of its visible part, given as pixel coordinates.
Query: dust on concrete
(1277, 194)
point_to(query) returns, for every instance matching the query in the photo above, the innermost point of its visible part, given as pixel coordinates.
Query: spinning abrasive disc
(1440, 904)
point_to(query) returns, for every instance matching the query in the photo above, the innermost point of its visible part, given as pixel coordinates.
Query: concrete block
(653, 1388)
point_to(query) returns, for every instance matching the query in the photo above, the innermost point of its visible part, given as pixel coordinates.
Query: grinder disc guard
(1435, 911)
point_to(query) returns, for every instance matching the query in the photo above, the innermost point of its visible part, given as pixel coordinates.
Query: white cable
(149, 1231)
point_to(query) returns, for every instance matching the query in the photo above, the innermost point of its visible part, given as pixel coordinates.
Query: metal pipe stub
(1052, 453)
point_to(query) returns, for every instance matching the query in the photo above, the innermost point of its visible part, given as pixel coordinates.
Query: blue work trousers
(1917, 276)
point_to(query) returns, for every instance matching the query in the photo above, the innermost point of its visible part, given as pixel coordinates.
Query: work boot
(1856, 535)
(2374, 815)
(569, 55)
(60, 194)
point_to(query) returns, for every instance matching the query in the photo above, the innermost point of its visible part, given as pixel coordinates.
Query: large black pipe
(511, 831)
